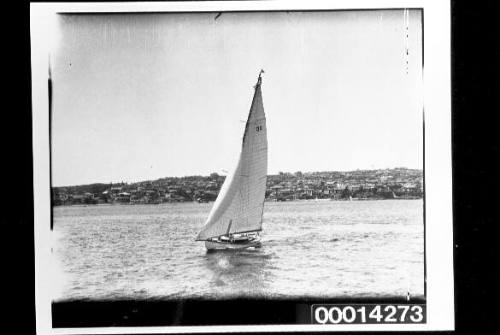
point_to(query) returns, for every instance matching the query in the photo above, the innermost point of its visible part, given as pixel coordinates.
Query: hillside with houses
(397, 183)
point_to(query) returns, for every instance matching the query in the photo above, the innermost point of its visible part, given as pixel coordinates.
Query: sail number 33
(367, 313)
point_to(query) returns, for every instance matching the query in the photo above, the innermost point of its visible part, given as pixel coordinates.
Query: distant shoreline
(211, 202)
(357, 185)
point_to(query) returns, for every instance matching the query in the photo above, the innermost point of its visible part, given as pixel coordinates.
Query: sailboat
(235, 220)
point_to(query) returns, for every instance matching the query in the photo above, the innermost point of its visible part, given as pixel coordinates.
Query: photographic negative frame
(298, 314)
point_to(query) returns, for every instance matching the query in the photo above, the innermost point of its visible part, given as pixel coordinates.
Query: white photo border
(437, 143)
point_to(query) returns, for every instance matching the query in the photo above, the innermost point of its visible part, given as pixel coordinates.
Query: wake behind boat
(236, 217)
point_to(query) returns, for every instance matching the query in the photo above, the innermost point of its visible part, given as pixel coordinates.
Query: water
(309, 248)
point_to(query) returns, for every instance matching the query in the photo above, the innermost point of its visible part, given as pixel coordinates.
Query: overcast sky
(140, 97)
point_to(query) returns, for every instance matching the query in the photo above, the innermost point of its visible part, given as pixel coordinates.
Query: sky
(145, 96)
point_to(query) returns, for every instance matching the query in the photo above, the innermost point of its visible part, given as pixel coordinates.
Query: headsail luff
(241, 199)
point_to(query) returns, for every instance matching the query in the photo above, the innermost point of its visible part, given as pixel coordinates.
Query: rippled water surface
(310, 248)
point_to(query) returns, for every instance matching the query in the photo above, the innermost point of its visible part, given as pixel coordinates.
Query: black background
(475, 132)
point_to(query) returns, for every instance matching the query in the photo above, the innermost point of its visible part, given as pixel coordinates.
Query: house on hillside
(123, 197)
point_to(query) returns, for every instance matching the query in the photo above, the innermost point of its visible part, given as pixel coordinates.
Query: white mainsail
(240, 203)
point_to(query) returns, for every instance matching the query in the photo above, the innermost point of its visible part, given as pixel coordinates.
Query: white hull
(212, 245)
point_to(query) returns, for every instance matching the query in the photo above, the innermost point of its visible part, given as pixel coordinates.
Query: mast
(229, 227)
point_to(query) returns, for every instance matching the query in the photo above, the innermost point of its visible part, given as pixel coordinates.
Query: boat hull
(216, 245)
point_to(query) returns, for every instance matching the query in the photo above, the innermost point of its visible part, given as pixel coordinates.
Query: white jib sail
(240, 203)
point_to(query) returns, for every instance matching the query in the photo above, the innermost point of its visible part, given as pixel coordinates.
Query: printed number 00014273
(368, 313)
